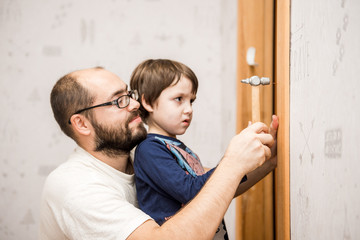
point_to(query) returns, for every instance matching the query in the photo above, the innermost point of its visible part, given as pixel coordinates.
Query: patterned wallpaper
(43, 40)
(324, 119)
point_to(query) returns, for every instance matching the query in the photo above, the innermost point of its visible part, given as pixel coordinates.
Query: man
(92, 195)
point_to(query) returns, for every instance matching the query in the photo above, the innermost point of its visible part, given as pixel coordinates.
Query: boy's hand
(273, 131)
(274, 126)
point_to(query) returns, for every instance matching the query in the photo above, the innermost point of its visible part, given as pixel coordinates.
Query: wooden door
(263, 211)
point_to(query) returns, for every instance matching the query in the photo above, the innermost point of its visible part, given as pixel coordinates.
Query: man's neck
(120, 162)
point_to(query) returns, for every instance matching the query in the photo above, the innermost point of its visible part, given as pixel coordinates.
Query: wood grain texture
(255, 216)
(282, 101)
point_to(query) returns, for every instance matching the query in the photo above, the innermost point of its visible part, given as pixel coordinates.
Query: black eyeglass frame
(131, 94)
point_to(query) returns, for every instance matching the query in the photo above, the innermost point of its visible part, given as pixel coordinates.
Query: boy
(168, 173)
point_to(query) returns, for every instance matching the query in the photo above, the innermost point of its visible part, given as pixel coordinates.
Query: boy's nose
(188, 109)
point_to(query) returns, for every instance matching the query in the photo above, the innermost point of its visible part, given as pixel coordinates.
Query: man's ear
(147, 106)
(80, 124)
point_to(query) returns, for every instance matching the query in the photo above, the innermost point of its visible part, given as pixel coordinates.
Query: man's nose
(133, 105)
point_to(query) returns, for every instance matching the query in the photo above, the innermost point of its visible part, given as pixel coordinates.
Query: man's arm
(200, 218)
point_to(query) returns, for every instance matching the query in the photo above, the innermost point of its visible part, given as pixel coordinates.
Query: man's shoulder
(79, 165)
(76, 194)
(65, 177)
(69, 176)
(73, 166)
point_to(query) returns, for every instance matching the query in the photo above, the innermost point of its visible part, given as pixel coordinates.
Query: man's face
(116, 131)
(120, 138)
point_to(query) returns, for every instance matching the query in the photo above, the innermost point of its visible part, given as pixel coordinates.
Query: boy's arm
(162, 172)
(201, 217)
(256, 175)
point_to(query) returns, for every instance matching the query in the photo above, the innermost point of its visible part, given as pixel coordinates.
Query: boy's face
(172, 111)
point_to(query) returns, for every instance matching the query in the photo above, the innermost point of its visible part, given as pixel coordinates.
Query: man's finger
(259, 127)
(266, 139)
(267, 152)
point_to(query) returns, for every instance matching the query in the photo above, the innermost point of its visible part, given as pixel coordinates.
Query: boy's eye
(178, 99)
(192, 101)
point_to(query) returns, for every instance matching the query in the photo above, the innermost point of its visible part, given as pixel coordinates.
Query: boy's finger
(274, 126)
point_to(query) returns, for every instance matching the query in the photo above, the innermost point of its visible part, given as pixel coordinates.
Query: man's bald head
(70, 94)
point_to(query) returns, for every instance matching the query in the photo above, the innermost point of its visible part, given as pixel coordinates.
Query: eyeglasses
(121, 102)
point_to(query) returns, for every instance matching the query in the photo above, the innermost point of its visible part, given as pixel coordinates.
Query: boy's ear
(147, 106)
(80, 124)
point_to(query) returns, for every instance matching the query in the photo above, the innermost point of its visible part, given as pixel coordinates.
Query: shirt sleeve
(156, 166)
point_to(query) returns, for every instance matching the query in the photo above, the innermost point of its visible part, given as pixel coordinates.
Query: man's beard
(120, 140)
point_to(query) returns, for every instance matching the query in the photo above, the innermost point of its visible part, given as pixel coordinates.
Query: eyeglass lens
(124, 101)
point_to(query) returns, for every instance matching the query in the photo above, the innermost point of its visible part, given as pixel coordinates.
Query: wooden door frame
(280, 74)
(282, 109)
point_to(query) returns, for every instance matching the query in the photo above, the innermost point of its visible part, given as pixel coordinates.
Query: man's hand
(259, 173)
(251, 147)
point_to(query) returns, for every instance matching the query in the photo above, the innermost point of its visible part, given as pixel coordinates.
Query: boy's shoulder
(154, 145)
(150, 141)
(156, 141)
(157, 138)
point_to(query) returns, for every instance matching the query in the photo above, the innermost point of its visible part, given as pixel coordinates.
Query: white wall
(324, 116)
(43, 40)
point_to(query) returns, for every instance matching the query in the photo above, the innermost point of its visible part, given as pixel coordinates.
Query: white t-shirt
(85, 198)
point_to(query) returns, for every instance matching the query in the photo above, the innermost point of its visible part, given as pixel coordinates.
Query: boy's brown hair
(152, 76)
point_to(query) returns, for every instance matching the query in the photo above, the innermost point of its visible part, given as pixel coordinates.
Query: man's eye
(121, 101)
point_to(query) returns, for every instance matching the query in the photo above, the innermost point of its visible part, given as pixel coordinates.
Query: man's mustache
(132, 116)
